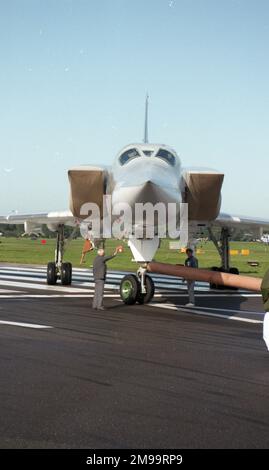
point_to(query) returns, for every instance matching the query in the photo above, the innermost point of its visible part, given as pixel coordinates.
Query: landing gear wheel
(150, 289)
(51, 274)
(129, 289)
(66, 274)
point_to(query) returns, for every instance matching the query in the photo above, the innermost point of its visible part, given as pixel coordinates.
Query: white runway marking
(83, 278)
(229, 310)
(39, 286)
(89, 288)
(28, 279)
(85, 274)
(8, 291)
(54, 296)
(180, 308)
(25, 325)
(201, 296)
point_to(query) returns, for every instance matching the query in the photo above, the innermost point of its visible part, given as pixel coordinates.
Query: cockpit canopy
(128, 155)
(168, 157)
(162, 153)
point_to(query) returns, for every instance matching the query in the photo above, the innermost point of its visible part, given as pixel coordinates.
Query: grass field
(26, 251)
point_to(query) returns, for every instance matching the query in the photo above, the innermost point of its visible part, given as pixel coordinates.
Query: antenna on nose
(146, 120)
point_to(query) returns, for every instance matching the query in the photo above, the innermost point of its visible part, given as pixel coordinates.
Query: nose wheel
(129, 289)
(132, 289)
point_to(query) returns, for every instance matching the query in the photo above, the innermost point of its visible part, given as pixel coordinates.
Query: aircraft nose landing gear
(57, 269)
(138, 288)
(129, 289)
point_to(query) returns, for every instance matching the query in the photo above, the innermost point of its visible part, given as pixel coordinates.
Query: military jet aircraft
(141, 173)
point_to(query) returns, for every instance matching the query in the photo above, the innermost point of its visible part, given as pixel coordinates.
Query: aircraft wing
(238, 222)
(33, 222)
(64, 217)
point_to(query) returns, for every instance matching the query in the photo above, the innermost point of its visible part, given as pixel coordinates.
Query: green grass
(26, 251)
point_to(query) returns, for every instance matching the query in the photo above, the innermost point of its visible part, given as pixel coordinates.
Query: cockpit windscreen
(166, 156)
(128, 155)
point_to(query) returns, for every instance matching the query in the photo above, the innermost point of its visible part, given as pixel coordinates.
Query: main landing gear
(137, 288)
(223, 247)
(57, 269)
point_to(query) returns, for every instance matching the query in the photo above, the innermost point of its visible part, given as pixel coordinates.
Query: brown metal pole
(213, 277)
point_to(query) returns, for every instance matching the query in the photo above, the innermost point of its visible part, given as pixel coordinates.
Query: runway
(153, 376)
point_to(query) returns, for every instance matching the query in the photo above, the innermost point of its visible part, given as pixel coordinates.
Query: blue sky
(73, 80)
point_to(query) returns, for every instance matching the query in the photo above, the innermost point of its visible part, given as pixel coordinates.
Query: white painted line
(207, 314)
(18, 272)
(40, 286)
(25, 325)
(54, 296)
(83, 277)
(86, 272)
(83, 271)
(21, 269)
(228, 310)
(24, 282)
(107, 286)
(80, 281)
(44, 296)
(8, 291)
(33, 274)
(201, 296)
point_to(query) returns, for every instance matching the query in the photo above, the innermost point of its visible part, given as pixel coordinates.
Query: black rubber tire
(51, 274)
(150, 289)
(129, 289)
(66, 274)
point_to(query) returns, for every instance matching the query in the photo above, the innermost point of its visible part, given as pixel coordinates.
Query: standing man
(99, 275)
(191, 262)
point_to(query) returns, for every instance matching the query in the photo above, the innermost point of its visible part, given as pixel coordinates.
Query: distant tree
(11, 230)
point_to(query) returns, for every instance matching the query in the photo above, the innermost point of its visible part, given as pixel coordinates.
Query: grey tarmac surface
(154, 376)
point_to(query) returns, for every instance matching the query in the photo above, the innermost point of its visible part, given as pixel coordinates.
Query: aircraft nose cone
(145, 182)
(148, 192)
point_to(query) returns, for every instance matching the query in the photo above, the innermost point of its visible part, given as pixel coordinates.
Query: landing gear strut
(223, 247)
(139, 288)
(57, 269)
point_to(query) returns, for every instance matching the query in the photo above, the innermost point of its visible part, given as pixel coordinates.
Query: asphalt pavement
(152, 376)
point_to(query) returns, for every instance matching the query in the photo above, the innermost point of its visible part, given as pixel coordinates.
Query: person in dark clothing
(99, 275)
(191, 262)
